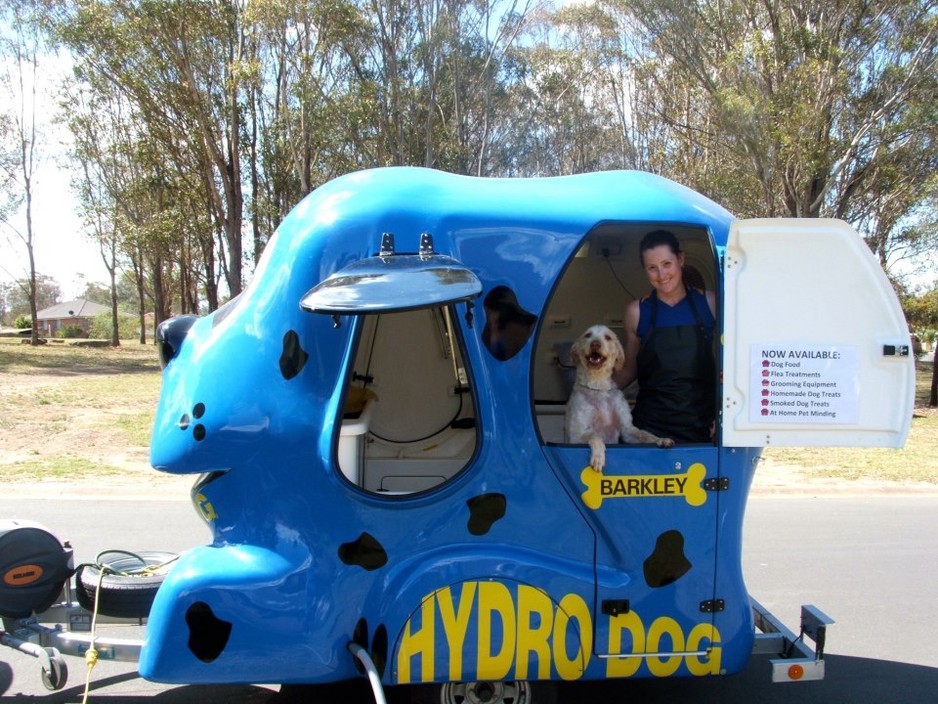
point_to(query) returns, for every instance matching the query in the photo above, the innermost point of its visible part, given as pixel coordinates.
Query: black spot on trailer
(484, 511)
(185, 421)
(360, 637)
(379, 646)
(379, 649)
(208, 634)
(366, 552)
(293, 358)
(667, 563)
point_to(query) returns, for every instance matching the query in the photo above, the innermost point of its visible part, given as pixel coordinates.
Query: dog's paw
(665, 442)
(597, 463)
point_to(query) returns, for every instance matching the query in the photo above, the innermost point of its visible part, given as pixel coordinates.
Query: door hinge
(614, 607)
(717, 484)
(712, 606)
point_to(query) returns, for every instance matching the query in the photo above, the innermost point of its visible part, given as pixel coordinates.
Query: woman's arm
(712, 302)
(629, 370)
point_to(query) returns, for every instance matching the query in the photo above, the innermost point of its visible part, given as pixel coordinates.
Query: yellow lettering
(495, 602)
(667, 666)
(572, 608)
(455, 624)
(523, 634)
(419, 643)
(625, 667)
(600, 487)
(710, 663)
(534, 605)
(205, 507)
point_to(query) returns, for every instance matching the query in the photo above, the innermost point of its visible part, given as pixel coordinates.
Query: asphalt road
(870, 562)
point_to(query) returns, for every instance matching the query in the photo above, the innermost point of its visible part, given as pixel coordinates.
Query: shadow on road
(848, 680)
(853, 680)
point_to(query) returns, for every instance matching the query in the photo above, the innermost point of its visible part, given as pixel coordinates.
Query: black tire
(506, 692)
(128, 595)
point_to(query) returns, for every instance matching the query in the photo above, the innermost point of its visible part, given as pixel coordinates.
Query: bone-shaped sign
(600, 487)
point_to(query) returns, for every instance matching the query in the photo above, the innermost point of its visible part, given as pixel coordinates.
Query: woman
(669, 347)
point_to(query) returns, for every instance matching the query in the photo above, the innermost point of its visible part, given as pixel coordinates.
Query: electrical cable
(615, 275)
(367, 376)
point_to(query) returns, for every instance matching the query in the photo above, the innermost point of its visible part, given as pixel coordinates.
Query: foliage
(922, 311)
(102, 326)
(68, 332)
(22, 322)
(96, 293)
(196, 123)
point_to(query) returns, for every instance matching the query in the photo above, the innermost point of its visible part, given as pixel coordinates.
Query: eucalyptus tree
(136, 206)
(429, 79)
(821, 108)
(100, 215)
(922, 314)
(21, 51)
(573, 88)
(178, 62)
(471, 54)
(305, 125)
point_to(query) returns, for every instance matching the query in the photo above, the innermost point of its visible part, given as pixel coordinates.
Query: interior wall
(409, 359)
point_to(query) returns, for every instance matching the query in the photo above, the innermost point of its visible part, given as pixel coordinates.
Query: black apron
(677, 379)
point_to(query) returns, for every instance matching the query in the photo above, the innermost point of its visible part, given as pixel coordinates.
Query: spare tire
(129, 584)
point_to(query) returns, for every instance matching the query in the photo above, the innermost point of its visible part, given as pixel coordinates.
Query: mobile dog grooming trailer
(376, 428)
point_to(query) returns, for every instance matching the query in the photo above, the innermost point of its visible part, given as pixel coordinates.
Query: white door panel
(816, 347)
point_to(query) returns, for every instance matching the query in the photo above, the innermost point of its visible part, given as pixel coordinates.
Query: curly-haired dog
(597, 412)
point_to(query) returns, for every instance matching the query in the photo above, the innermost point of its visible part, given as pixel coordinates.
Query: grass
(71, 359)
(916, 462)
(69, 412)
(109, 396)
(61, 468)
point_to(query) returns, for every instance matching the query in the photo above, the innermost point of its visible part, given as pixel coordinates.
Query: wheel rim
(497, 692)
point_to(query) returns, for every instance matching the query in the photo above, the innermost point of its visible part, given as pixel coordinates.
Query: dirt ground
(33, 433)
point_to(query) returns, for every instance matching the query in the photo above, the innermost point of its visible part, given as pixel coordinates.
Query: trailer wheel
(486, 692)
(55, 675)
(129, 584)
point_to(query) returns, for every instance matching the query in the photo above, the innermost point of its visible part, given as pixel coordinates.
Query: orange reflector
(795, 672)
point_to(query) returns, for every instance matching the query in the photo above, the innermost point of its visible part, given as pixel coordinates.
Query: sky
(62, 251)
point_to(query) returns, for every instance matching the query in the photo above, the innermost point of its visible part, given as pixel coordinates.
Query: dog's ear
(575, 354)
(620, 353)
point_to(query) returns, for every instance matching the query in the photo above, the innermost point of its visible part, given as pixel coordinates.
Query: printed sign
(807, 384)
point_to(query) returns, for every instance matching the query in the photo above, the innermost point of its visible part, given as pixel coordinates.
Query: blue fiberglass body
(522, 565)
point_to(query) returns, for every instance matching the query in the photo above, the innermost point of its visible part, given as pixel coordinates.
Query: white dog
(597, 411)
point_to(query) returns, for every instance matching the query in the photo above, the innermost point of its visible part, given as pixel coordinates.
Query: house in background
(80, 313)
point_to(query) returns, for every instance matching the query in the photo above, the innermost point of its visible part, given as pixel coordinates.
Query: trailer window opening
(409, 421)
(601, 278)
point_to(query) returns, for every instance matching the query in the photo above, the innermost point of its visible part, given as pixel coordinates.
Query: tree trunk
(115, 318)
(933, 396)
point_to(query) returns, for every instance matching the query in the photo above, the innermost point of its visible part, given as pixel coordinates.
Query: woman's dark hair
(656, 238)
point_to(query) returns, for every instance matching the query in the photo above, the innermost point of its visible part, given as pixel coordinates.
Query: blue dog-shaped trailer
(376, 422)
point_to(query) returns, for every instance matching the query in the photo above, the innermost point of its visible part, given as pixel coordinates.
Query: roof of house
(79, 308)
